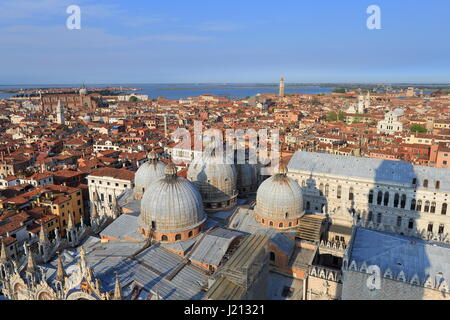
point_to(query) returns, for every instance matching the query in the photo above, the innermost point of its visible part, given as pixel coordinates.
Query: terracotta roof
(121, 174)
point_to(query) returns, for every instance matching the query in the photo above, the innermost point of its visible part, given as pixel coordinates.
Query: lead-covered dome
(149, 172)
(216, 182)
(172, 206)
(247, 177)
(279, 201)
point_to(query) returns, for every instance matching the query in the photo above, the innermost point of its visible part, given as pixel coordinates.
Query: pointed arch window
(433, 207)
(386, 198)
(379, 197)
(413, 204)
(399, 221)
(396, 200)
(419, 205)
(427, 206)
(351, 195)
(403, 201)
(444, 209)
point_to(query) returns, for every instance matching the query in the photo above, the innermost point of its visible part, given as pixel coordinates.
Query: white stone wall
(110, 188)
(340, 210)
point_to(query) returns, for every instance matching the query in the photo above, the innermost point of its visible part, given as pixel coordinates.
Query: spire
(60, 273)
(43, 235)
(70, 222)
(3, 254)
(117, 289)
(82, 257)
(31, 265)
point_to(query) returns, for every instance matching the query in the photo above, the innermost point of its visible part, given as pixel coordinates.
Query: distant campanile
(60, 113)
(281, 93)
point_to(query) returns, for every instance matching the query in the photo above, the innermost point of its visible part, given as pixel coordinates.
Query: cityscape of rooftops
(235, 152)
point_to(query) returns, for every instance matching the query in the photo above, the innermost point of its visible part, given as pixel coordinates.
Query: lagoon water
(179, 91)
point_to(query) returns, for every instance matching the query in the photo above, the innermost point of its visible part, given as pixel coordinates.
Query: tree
(418, 128)
(133, 99)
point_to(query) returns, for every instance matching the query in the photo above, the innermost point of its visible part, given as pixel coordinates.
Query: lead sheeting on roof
(369, 168)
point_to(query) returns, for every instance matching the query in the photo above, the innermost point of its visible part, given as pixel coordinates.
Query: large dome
(148, 173)
(172, 205)
(279, 201)
(216, 182)
(247, 177)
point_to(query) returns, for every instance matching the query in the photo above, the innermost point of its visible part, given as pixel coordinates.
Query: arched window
(371, 196)
(280, 225)
(339, 192)
(164, 238)
(438, 185)
(414, 181)
(444, 208)
(178, 237)
(425, 183)
(411, 224)
(419, 205)
(262, 220)
(370, 217)
(321, 189)
(190, 234)
(327, 190)
(396, 200)
(386, 198)
(433, 207)
(427, 206)
(272, 256)
(351, 195)
(379, 197)
(403, 202)
(413, 204)
(303, 183)
(379, 217)
(271, 223)
(290, 224)
(308, 205)
(399, 221)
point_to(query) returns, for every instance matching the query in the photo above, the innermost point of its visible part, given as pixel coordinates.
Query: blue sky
(224, 41)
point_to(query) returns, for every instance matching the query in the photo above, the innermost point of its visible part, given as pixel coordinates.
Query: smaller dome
(280, 199)
(172, 204)
(147, 173)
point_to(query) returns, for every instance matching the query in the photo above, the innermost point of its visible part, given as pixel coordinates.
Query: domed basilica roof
(215, 179)
(280, 197)
(148, 172)
(172, 204)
